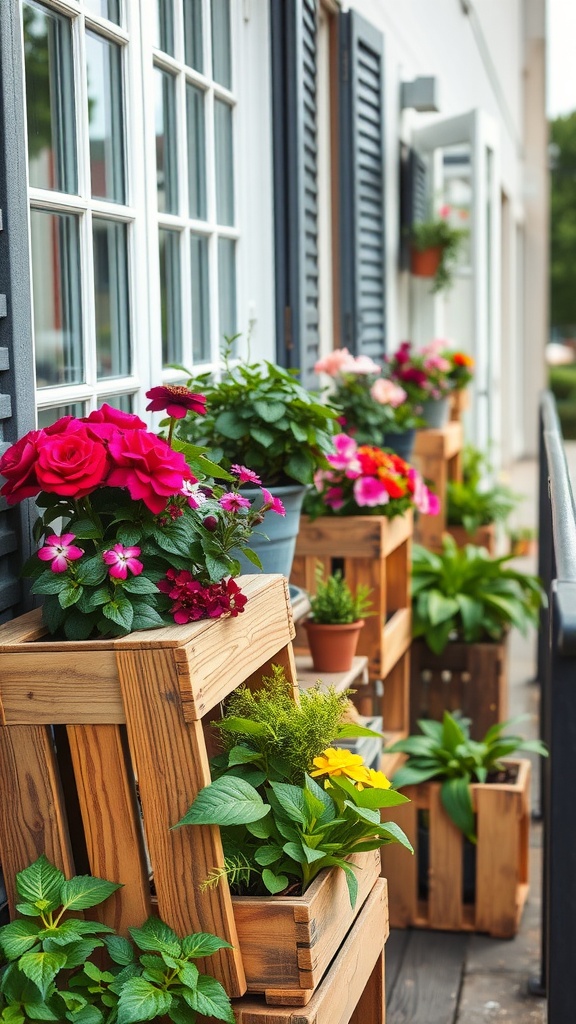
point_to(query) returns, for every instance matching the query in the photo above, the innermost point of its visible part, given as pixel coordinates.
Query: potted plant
(52, 972)
(336, 619)
(144, 538)
(461, 373)
(464, 603)
(477, 502)
(260, 415)
(298, 819)
(435, 248)
(522, 541)
(373, 409)
(476, 804)
(425, 376)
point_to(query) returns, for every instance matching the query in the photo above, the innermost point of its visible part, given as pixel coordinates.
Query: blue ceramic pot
(275, 541)
(402, 443)
(436, 412)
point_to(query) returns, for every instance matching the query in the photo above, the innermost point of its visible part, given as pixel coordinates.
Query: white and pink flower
(60, 551)
(122, 560)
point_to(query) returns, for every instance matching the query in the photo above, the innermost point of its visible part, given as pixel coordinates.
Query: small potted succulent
(259, 415)
(336, 619)
(435, 247)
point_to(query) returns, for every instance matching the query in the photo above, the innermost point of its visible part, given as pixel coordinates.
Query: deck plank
(428, 985)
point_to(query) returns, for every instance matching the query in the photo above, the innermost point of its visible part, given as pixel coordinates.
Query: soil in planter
(468, 862)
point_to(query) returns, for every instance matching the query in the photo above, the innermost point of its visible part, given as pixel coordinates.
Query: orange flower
(461, 359)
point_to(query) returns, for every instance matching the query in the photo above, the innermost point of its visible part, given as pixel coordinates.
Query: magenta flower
(193, 494)
(272, 503)
(370, 492)
(176, 400)
(245, 475)
(346, 448)
(233, 502)
(122, 561)
(334, 498)
(60, 551)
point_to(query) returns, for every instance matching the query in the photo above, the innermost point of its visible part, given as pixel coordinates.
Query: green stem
(171, 429)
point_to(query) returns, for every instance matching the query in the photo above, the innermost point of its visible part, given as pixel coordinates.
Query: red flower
(18, 465)
(107, 420)
(147, 466)
(394, 488)
(194, 600)
(73, 463)
(461, 359)
(176, 400)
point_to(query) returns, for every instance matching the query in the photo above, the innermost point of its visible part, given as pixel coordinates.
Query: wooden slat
(60, 687)
(394, 703)
(171, 765)
(484, 537)
(339, 994)
(371, 1007)
(111, 820)
(370, 572)
(283, 658)
(357, 676)
(427, 990)
(400, 867)
(397, 638)
(445, 871)
(32, 813)
(398, 576)
(352, 536)
(440, 443)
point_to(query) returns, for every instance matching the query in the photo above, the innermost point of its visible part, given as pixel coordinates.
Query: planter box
(459, 403)
(471, 678)
(80, 721)
(438, 456)
(484, 537)
(501, 880)
(288, 942)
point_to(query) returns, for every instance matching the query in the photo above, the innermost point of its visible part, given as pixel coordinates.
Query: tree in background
(563, 223)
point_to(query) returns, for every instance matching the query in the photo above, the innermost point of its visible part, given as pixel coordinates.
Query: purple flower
(122, 561)
(233, 502)
(60, 551)
(246, 476)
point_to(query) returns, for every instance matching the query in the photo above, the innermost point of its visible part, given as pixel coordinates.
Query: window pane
(46, 417)
(49, 99)
(200, 300)
(196, 152)
(224, 165)
(123, 402)
(111, 298)
(193, 34)
(57, 298)
(166, 165)
(227, 286)
(106, 129)
(105, 9)
(170, 296)
(221, 50)
(164, 34)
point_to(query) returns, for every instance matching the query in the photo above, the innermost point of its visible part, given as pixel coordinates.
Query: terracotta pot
(333, 647)
(425, 262)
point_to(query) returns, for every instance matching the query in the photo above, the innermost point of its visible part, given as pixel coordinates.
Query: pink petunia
(334, 498)
(60, 551)
(245, 475)
(233, 502)
(122, 561)
(370, 492)
(272, 503)
(346, 449)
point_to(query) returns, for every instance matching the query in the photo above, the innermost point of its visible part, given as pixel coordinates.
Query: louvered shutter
(16, 356)
(414, 198)
(294, 66)
(362, 216)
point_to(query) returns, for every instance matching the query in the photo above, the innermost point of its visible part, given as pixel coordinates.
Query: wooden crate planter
(483, 537)
(125, 709)
(471, 678)
(502, 826)
(438, 456)
(374, 551)
(352, 991)
(288, 942)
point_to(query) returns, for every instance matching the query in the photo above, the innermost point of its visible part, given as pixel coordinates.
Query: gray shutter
(294, 30)
(362, 220)
(17, 385)
(414, 198)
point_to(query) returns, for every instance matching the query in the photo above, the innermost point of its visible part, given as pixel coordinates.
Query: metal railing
(557, 675)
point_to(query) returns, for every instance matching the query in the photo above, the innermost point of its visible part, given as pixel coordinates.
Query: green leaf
(409, 776)
(50, 582)
(188, 975)
(241, 754)
(120, 950)
(120, 611)
(140, 1000)
(291, 799)
(202, 944)
(441, 607)
(397, 835)
(266, 855)
(18, 937)
(85, 891)
(40, 881)
(146, 617)
(77, 953)
(270, 412)
(261, 435)
(457, 802)
(70, 594)
(39, 1011)
(78, 625)
(252, 557)
(52, 615)
(296, 852)
(217, 568)
(244, 725)
(352, 731)
(129, 534)
(156, 937)
(231, 426)
(226, 801)
(453, 735)
(87, 529)
(42, 968)
(274, 883)
(12, 1015)
(139, 585)
(300, 466)
(88, 1015)
(209, 999)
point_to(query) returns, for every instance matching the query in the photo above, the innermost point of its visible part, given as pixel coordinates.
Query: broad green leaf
(188, 975)
(266, 855)
(129, 534)
(209, 999)
(12, 1015)
(85, 891)
(40, 881)
(140, 585)
(270, 412)
(252, 557)
(120, 611)
(202, 944)
(397, 835)
(146, 617)
(88, 1015)
(226, 801)
(77, 952)
(441, 607)
(86, 529)
(408, 776)
(329, 809)
(39, 1011)
(70, 595)
(296, 852)
(231, 426)
(241, 754)
(42, 968)
(291, 799)
(300, 466)
(452, 733)
(261, 435)
(140, 1001)
(216, 567)
(18, 937)
(50, 583)
(274, 883)
(261, 829)
(157, 937)
(457, 802)
(244, 725)
(351, 731)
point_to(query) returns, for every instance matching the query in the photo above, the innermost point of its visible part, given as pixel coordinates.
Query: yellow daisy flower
(374, 780)
(335, 761)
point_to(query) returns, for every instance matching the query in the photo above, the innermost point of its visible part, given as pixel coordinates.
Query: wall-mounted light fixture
(422, 94)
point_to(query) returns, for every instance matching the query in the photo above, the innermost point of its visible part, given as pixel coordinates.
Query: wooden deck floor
(455, 978)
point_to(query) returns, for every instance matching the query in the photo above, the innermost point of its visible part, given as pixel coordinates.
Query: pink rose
(335, 362)
(362, 365)
(148, 467)
(71, 464)
(18, 466)
(370, 492)
(106, 421)
(386, 392)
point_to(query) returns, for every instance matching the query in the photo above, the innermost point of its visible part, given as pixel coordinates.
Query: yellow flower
(340, 762)
(373, 780)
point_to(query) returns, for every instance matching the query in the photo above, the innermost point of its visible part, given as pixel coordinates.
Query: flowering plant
(131, 535)
(438, 233)
(365, 480)
(370, 405)
(288, 804)
(424, 375)
(461, 369)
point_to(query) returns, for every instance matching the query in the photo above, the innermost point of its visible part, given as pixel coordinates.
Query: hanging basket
(425, 262)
